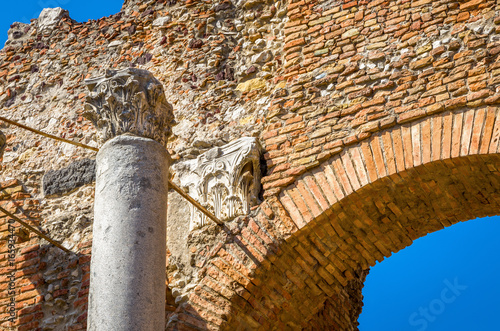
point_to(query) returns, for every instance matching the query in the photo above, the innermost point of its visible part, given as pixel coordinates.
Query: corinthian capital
(128, 101)
(225, 180)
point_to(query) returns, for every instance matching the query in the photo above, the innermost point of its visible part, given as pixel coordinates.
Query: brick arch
(300, 263)
(424, 159)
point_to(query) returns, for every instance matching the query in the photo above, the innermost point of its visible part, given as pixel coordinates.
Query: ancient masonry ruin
(325, 135)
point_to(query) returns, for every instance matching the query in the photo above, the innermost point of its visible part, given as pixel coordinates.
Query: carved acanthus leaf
(226, 180)
(128, 101)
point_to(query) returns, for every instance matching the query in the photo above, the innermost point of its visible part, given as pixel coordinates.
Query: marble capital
(128, 101)
(225, 179)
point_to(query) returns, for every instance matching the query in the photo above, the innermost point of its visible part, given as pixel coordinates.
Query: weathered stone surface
(127, 283)
(77, 174)
(129, 101)
(50, 17)
(225, 179)
(340, 74)
(17, 33)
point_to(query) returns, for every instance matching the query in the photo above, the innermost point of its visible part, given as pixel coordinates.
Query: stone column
(127, 280)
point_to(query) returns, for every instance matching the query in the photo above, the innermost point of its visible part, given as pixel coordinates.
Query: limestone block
(67, 179)
(162, 21)
(50, 17)
(252, 84)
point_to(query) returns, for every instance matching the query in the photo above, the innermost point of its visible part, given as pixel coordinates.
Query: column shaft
(127, 283)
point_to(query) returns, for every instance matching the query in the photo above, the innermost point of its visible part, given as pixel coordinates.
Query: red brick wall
(378, 64)
(38, 281)
(302, 260)
(383, 127)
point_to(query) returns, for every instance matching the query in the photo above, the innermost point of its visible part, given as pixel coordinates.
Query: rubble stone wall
(43, 286)
(379, 122)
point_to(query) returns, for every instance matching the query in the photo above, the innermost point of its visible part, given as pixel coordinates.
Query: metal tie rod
(170, 183)
(47, 134)
(31, 228)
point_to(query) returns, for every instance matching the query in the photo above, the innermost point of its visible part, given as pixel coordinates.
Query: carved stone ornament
(128, 101)
(225, 180)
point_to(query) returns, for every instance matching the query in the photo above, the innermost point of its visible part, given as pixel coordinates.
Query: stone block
(65, 180)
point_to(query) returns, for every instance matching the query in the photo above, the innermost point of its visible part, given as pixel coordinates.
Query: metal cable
(170, 183)
(23, 223)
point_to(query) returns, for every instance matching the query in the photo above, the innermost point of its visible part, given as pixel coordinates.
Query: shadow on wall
(42, 286)
(265, 277)
(63, 283)
(47, 288)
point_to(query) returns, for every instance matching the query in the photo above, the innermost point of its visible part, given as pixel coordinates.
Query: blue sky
(447, 280)
(79, 10)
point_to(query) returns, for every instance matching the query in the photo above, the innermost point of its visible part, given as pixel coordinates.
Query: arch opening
(359, 207)
(314, 280)
(442, 281)
(300, 260)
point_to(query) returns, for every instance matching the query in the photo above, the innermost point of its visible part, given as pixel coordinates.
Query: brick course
(379, 120)
(376, 213)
